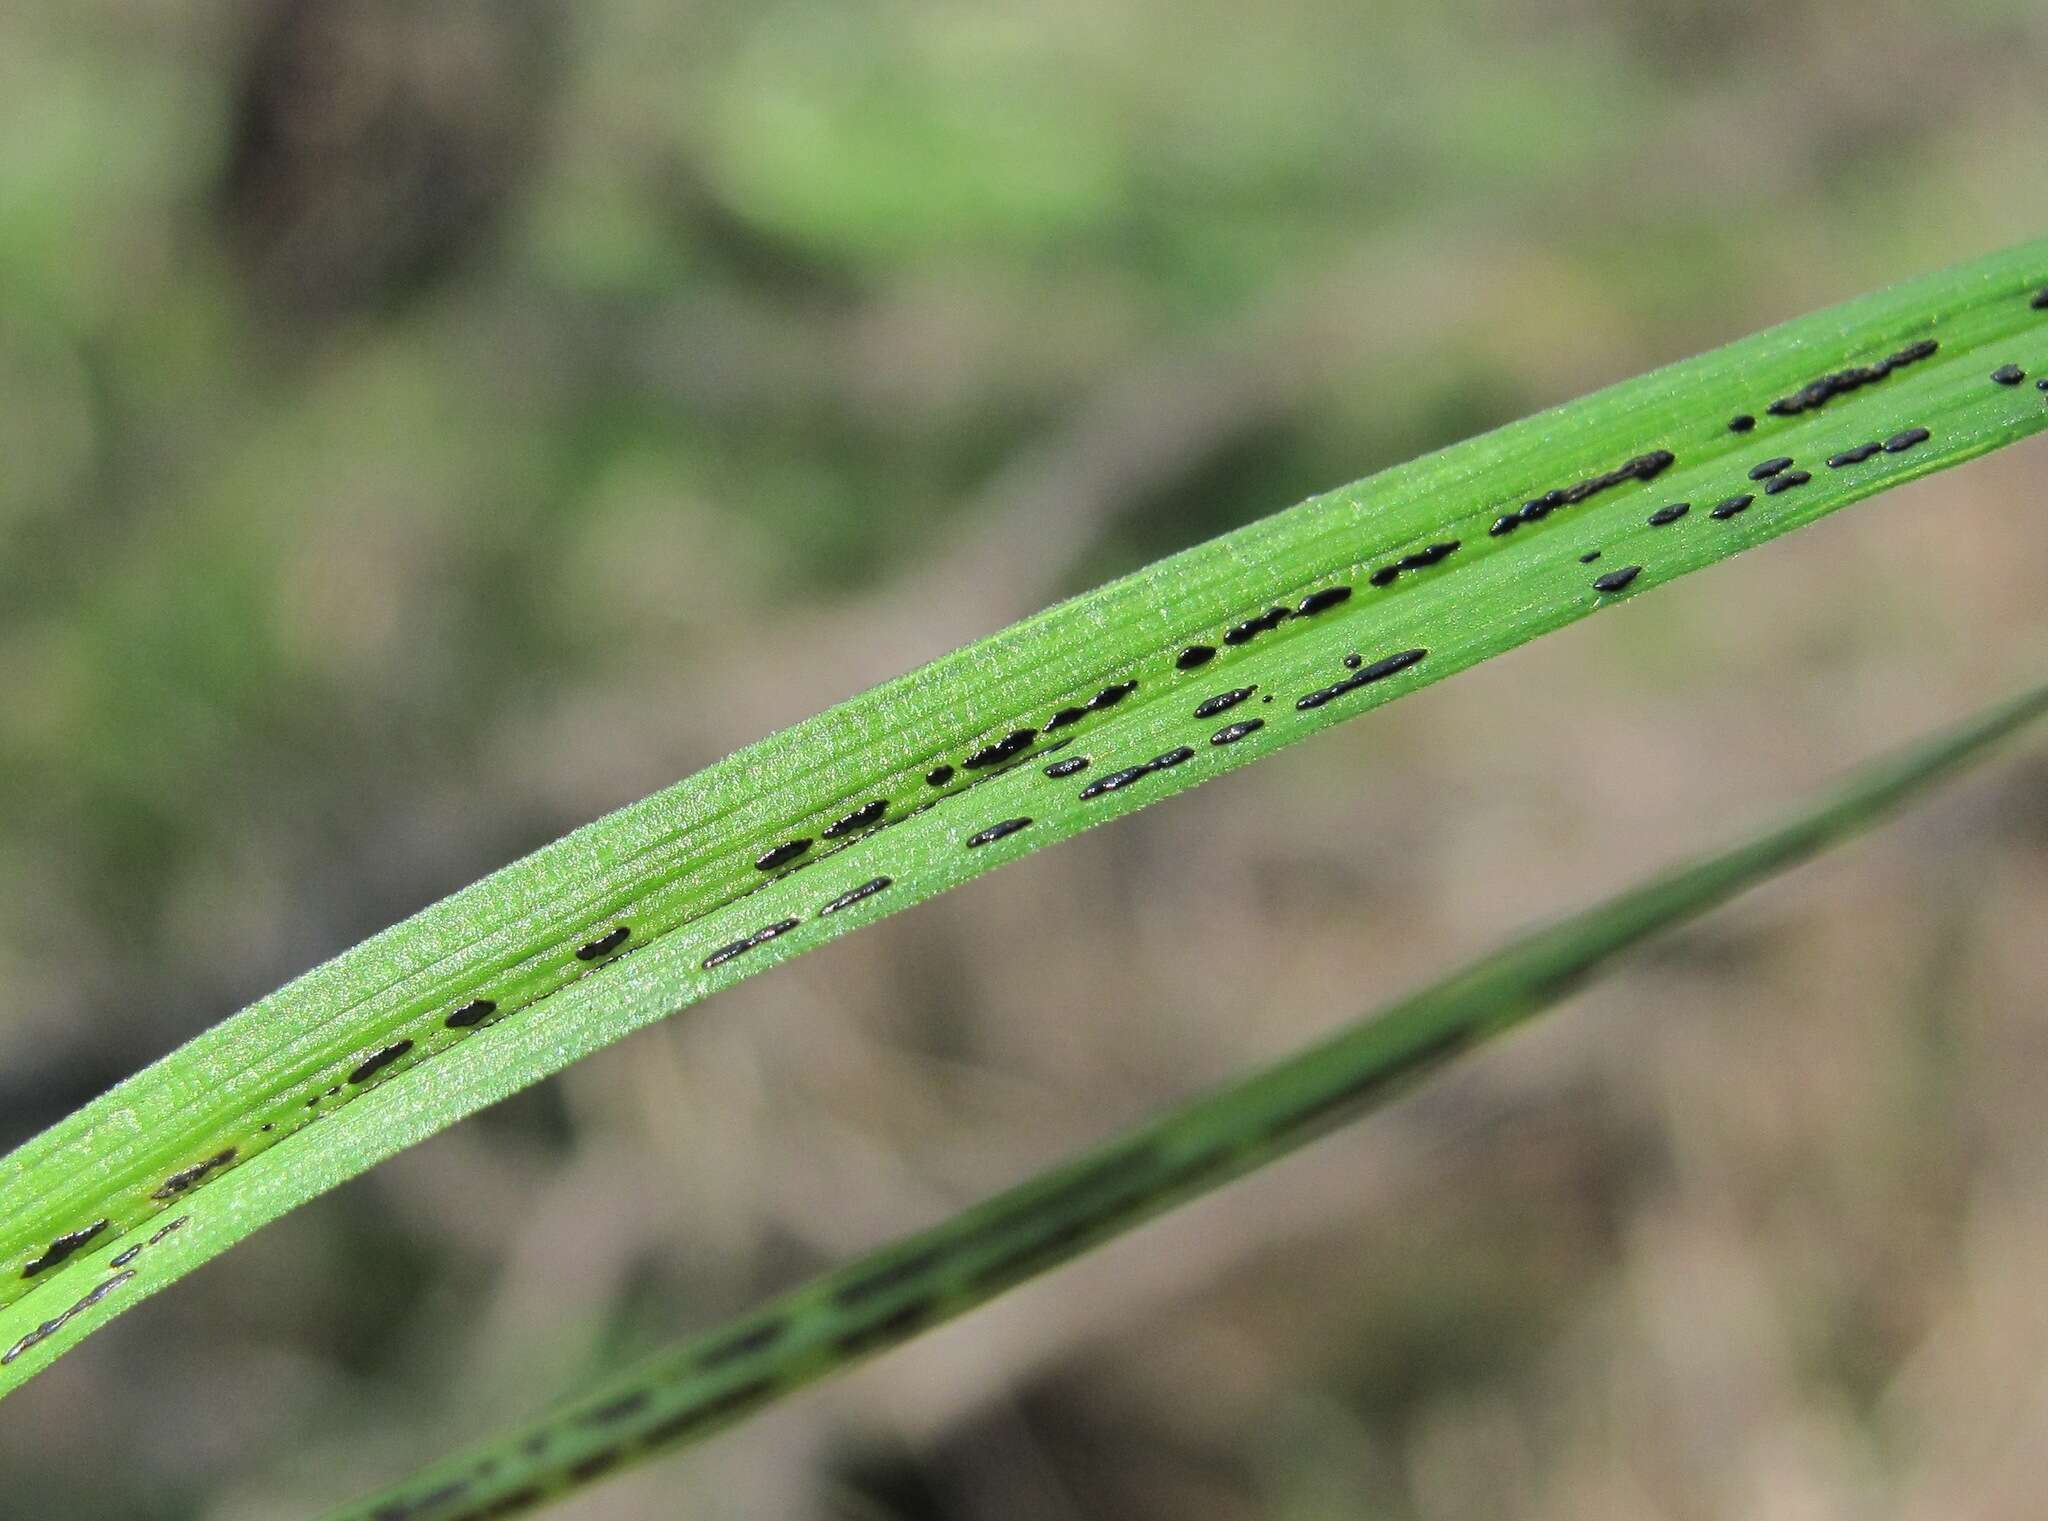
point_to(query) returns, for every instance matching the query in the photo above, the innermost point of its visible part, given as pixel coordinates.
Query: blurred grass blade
(1198, 664)
(890, 1296)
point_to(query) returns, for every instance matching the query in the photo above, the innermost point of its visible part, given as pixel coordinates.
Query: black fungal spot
(1728, 509)
(1109, 697)
(1170, 759)
(938, 776)
(1770, 467)
(122, 1259)
(2040, 301)
(1615, 580)
(740, 947)
(1351, 663)
(1195, 655)
(618, 1409)
(1899, 443)
(1785, 482)
(377, 1061)
(1064, 717)
(774, 856)
(2041, 384)
(996, 832)
(1589, 557)
(743, 1344)
(1001, 750)
(1251, 628)
(1114, 780)
(1379, 670)
(1817, 393)
(860, 818)
(854, 895)
(612, 939)
(63, 1247)
(475, 1012)
(1222, 702)
(1421, 559)
(178, 1182)
(1319, 601)
(1669, 514)
(1742, 422)
(1232, 733)
(2008, 374)
(1068, 766)
(176, 1224)
(57, 1323)
(1855, 456)
(1643, 467)
(1505, 524)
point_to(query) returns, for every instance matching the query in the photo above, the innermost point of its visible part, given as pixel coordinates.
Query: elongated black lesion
(780, 855)
(178, 1182)
(1251, 628)
(1318, 601)
(62, 1247)
(1001, 829)
(1014, 743)
(475, 1012)
(609, 941)
(1421, 559)
(855, 895)
(1123, 777)
(1642, 467)
(1365, 676)
(860, 818)
(377, 1061)
(746, 943)
(1820, 391)
(1222, 702)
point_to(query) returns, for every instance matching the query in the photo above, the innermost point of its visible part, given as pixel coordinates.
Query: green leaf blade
(679, 871)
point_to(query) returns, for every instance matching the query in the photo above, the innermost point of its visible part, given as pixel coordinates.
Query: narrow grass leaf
(1198, 664)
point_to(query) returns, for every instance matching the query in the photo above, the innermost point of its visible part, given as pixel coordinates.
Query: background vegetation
(425, 427)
